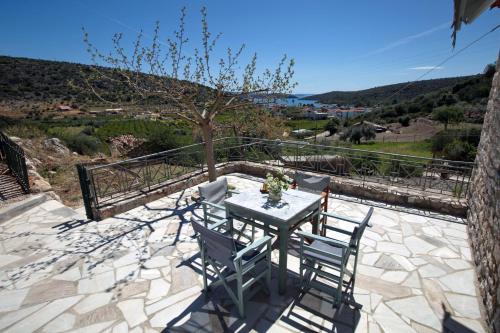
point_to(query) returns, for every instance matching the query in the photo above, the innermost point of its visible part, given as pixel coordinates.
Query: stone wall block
(484, 209)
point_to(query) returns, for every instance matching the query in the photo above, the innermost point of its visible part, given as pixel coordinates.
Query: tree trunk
(209, 150)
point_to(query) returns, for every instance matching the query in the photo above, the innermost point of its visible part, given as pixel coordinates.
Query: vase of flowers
(275, 184)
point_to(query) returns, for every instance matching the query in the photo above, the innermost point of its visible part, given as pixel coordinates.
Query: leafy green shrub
(24, 131)
(356, 133)
(161, 139)
(83, 144)
(332, 126)
(471, 135)
(413, 108)
(440, 140)
(447, 115)
(6, 121)
(459, 151)
(456, 145)
(88, 130)
(399, 109)
(404, 121)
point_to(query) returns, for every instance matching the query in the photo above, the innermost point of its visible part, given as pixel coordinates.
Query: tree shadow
(89, 243)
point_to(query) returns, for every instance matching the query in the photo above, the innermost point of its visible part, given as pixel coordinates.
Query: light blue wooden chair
(325, 252)
(232, 260)
(213, 195)
(313, 184)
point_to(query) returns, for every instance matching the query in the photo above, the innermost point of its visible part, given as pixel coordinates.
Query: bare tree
(194, 87)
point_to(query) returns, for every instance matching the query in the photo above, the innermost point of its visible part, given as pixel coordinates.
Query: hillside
(32, 80)
(384, 94)
(35, 81)
(470, 95)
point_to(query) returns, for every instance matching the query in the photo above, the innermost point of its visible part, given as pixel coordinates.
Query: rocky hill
(35, 81)
(471, 96)
(388, 94)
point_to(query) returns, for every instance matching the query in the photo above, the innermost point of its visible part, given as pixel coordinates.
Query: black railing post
(16, 161)
(86, 191)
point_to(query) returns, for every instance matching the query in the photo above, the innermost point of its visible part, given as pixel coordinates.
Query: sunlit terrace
(140, 271)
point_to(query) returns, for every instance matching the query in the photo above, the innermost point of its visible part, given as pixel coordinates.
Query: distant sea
(297, 101)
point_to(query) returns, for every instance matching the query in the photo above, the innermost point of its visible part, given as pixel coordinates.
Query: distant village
(130, 112)
(305, 111)
(312, 112)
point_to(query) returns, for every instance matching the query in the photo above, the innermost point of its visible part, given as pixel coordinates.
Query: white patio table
(281, 218)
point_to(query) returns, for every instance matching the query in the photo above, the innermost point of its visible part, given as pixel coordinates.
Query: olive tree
(356, 132)
(447, 115)
(193, 85)
(332, 126)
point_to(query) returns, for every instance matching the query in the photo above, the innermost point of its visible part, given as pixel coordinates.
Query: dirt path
(419, 130)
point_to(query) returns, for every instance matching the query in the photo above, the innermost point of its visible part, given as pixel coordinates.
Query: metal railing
(15, 158)
(103, 185)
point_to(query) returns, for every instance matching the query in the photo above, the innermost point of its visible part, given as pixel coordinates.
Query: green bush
(332, 126)
(6, 121)
(440, 140)
(356, 133)
(456, 145)
(83, 144)
(404, 121)
(459, 151)
(161, 139)
(447, 115)
(24, 131)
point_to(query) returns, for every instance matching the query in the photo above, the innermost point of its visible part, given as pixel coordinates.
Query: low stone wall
(483, 217)
(364, 190)
(175, 185)
(377, 192)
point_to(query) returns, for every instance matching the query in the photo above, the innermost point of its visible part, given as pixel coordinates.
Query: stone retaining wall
(378, 192)
(364, 190)
(484, 208)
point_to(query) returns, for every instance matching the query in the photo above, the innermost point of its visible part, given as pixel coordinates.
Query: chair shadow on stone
(322, 315)
(216, 312)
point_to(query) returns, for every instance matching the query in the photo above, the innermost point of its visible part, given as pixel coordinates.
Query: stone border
(364, 190)
(18, 208)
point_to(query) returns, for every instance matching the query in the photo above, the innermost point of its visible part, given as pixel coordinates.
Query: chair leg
(204, 270)
(269, 265)
(309, 275)
(301, 260)
(338, 300)
(239, 282)
(353, 278)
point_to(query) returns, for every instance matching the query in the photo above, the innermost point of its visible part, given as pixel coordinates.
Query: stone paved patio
(139, 272)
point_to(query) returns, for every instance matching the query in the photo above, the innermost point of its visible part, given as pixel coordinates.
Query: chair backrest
(310, 183)
(360, 229)
(214, 192)
(217, 246)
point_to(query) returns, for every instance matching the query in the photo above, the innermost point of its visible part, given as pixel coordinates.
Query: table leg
(266, 229)
(316, 220)
(229, 221)
(282, 274)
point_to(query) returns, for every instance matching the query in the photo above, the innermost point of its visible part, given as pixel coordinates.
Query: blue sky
(337, 45)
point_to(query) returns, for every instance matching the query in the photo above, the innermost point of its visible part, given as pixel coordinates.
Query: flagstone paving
(139, 272)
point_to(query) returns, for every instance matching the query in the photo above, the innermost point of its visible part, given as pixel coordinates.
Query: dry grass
(59, 170)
